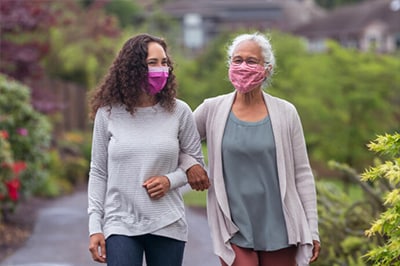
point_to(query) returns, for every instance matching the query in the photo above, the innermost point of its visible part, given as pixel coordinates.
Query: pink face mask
(157, 78)
(246, 78)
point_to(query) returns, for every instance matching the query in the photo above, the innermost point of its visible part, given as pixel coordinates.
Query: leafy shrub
(75, 148)
(342, 221)
(56, 184)
(76, 170)
(25, 139)
(387, 225)
(9, 176)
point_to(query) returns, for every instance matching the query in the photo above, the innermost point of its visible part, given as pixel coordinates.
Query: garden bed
(19, 227)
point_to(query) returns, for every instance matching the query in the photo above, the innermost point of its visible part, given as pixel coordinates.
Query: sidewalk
(60, 237)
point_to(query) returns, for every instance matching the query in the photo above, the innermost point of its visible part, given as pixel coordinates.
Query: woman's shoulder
(218, 99)
(181, 103)
(182, 106)
(279, 102)
(109, 111)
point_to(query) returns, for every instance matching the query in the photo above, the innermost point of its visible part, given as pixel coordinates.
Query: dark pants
(159, 251)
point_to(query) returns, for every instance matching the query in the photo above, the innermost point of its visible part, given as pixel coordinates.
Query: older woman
(262, 202)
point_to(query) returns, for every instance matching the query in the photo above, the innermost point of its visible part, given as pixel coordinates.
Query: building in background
(202, 20)
(369, 25)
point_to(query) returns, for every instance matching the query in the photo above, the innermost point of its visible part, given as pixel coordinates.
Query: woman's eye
(237, 61)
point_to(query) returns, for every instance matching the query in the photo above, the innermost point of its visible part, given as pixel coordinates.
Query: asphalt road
(60, 237)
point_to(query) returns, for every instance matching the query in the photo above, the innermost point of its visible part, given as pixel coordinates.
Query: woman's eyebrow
(156, 59)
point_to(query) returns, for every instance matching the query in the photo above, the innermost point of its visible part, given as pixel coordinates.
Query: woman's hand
(316, 250)
(198, 178)
(157, 186)
(97, 247)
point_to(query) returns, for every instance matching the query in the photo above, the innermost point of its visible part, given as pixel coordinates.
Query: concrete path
(60, 237)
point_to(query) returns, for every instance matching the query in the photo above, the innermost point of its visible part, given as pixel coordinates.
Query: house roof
(281, 13)
(351, 20)
(210, 8)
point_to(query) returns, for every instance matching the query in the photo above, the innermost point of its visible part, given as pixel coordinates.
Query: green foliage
(28, 131)
(330, 4)
(126, 11)
(76, 170)
(75, 152)
(56, 184)
(68, 165)
(6, 156)
(82, 43)
(343, 96)
(342, 221)
(205, 75)
(194, 198)
(387, 225)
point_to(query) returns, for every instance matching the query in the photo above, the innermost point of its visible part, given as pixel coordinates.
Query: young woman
(135, 206)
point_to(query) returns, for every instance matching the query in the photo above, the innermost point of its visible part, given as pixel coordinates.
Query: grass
(195, 198)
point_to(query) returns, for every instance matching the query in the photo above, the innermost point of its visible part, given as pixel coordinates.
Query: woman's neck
(250, 106)
(251, 98)
(146, 100)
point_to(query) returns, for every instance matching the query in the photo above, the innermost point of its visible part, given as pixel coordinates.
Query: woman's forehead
(155, 50)
(247, 47)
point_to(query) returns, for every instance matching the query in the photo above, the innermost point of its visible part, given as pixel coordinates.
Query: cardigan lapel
(276, 122)
(221, 117)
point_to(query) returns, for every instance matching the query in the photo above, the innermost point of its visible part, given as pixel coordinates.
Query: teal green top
(251, 180)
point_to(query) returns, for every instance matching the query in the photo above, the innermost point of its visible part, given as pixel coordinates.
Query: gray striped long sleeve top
(128, 149)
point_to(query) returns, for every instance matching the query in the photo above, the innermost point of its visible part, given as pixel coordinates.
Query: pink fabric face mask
(245, 78)
(157, 78)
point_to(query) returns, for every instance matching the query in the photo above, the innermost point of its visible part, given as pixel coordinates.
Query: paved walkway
(60, 237)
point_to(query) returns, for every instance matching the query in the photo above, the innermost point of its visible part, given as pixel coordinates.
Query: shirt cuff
(95, 224)
(177, 178)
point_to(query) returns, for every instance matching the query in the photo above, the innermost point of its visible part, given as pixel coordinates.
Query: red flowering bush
(10, 183)
(24, 140)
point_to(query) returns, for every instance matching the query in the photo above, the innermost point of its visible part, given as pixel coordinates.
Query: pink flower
(19, 166)
(22, 131)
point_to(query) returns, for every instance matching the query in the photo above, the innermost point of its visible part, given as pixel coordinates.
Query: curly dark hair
(123, 84)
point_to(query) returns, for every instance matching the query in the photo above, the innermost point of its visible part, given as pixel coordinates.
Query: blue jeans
(159, 251)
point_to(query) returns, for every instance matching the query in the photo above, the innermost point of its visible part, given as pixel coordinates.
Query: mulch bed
(19, 226)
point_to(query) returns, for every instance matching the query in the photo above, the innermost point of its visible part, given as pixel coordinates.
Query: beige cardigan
(295, 176)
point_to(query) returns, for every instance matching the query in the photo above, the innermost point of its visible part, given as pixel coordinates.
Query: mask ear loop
(268, 67)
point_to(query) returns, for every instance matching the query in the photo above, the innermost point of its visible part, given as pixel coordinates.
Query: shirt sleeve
(304, 177)
(187, 161)
(190, 147)
(97, 184)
